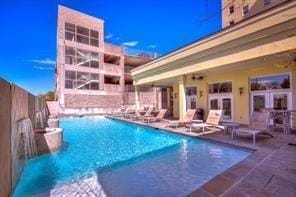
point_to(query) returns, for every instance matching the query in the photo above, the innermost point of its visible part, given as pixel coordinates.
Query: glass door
(191, 98)
(280, 101)
(259, 101)
(224, 103)
(227, 108)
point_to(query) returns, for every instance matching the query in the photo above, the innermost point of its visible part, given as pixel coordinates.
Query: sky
(29, 29)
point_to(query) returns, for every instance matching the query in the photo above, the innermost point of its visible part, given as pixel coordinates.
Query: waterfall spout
(39, 118)
(26, 130)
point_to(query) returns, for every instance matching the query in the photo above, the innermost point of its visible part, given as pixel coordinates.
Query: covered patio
(227, 69)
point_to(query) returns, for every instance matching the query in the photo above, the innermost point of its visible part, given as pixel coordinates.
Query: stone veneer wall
(92, 101)
(5, 134)
(146, 98)
(19, 110)
(16, 104)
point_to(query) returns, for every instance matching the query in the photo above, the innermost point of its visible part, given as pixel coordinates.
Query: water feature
(39, 119)
(25, 129)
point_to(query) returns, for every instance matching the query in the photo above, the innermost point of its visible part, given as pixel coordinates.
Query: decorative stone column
(182, 97)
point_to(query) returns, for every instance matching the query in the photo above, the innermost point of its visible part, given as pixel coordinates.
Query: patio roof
(268, 36)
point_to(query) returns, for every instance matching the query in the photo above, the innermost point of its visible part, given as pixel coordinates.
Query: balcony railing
(113, 49)
(140, 53)
(112, 68)
(111, 87)
(127, 69)
(129, 88)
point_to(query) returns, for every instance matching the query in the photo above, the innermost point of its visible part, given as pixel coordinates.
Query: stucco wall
(5, 133)
(239, 78)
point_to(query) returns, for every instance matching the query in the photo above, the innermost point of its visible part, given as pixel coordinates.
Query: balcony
(112, 87)
(113, 49)
(139, 53)
(127, 69)
(112, 69)
(129, 88)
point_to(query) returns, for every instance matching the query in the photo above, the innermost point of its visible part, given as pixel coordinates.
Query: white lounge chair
(138, 116)
(212, 121)
(258, 125)
(158, 118)
(187, 119)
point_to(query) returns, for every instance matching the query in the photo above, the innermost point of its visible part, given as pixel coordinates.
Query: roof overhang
(269, 33)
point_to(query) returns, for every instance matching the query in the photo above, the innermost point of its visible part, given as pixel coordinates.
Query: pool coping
(226, 180)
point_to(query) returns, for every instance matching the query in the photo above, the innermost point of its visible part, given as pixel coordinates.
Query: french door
(191, 98)
(223, 102)
(278, 100)
(271, 99)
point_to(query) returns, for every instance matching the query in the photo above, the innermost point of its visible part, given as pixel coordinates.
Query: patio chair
(187, 119)
(138, 116)
(119, 112)
(158, 118)
(128, 110)
(212, 121)
(259, 122)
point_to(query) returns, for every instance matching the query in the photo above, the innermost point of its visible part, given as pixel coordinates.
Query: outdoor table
(286, 119)
(230, 126)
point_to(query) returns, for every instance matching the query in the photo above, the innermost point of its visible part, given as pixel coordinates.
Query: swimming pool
(116, 158)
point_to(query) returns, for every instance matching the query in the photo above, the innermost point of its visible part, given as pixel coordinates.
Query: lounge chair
(212, 121)
(259, 123)
(158, 118)
(128, 110)
(138, 116)
(187, 119)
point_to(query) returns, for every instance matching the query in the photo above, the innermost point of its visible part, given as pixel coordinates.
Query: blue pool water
(126, 160)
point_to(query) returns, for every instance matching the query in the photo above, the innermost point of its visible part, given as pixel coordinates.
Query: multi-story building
(93, 76)
(234, 11)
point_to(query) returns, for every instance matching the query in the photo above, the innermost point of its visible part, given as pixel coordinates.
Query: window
(231, 22)
(70, 77)
(70, 56)
(94, 34)
(224, 87)
(190, 91)
(69, 27)
(82, 31)
(69, 31)
(82, 39)
(271, 82)
(267, 2)
(81, 35)
(231, 9)
(81, 80)
(80, 57)
(245, 10)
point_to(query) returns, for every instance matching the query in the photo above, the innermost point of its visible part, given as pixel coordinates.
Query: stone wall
(5, 142)
(16, 104)
(92, 101)
(19, 110)
(146, 98)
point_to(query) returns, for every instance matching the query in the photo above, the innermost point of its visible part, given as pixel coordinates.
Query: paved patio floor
(269, 171)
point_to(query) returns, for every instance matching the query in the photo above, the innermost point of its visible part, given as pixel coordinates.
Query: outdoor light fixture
(196, 77)
(200, 93)
(241, 90)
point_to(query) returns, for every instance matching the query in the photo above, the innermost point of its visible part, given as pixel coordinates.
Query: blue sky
(28, 31)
